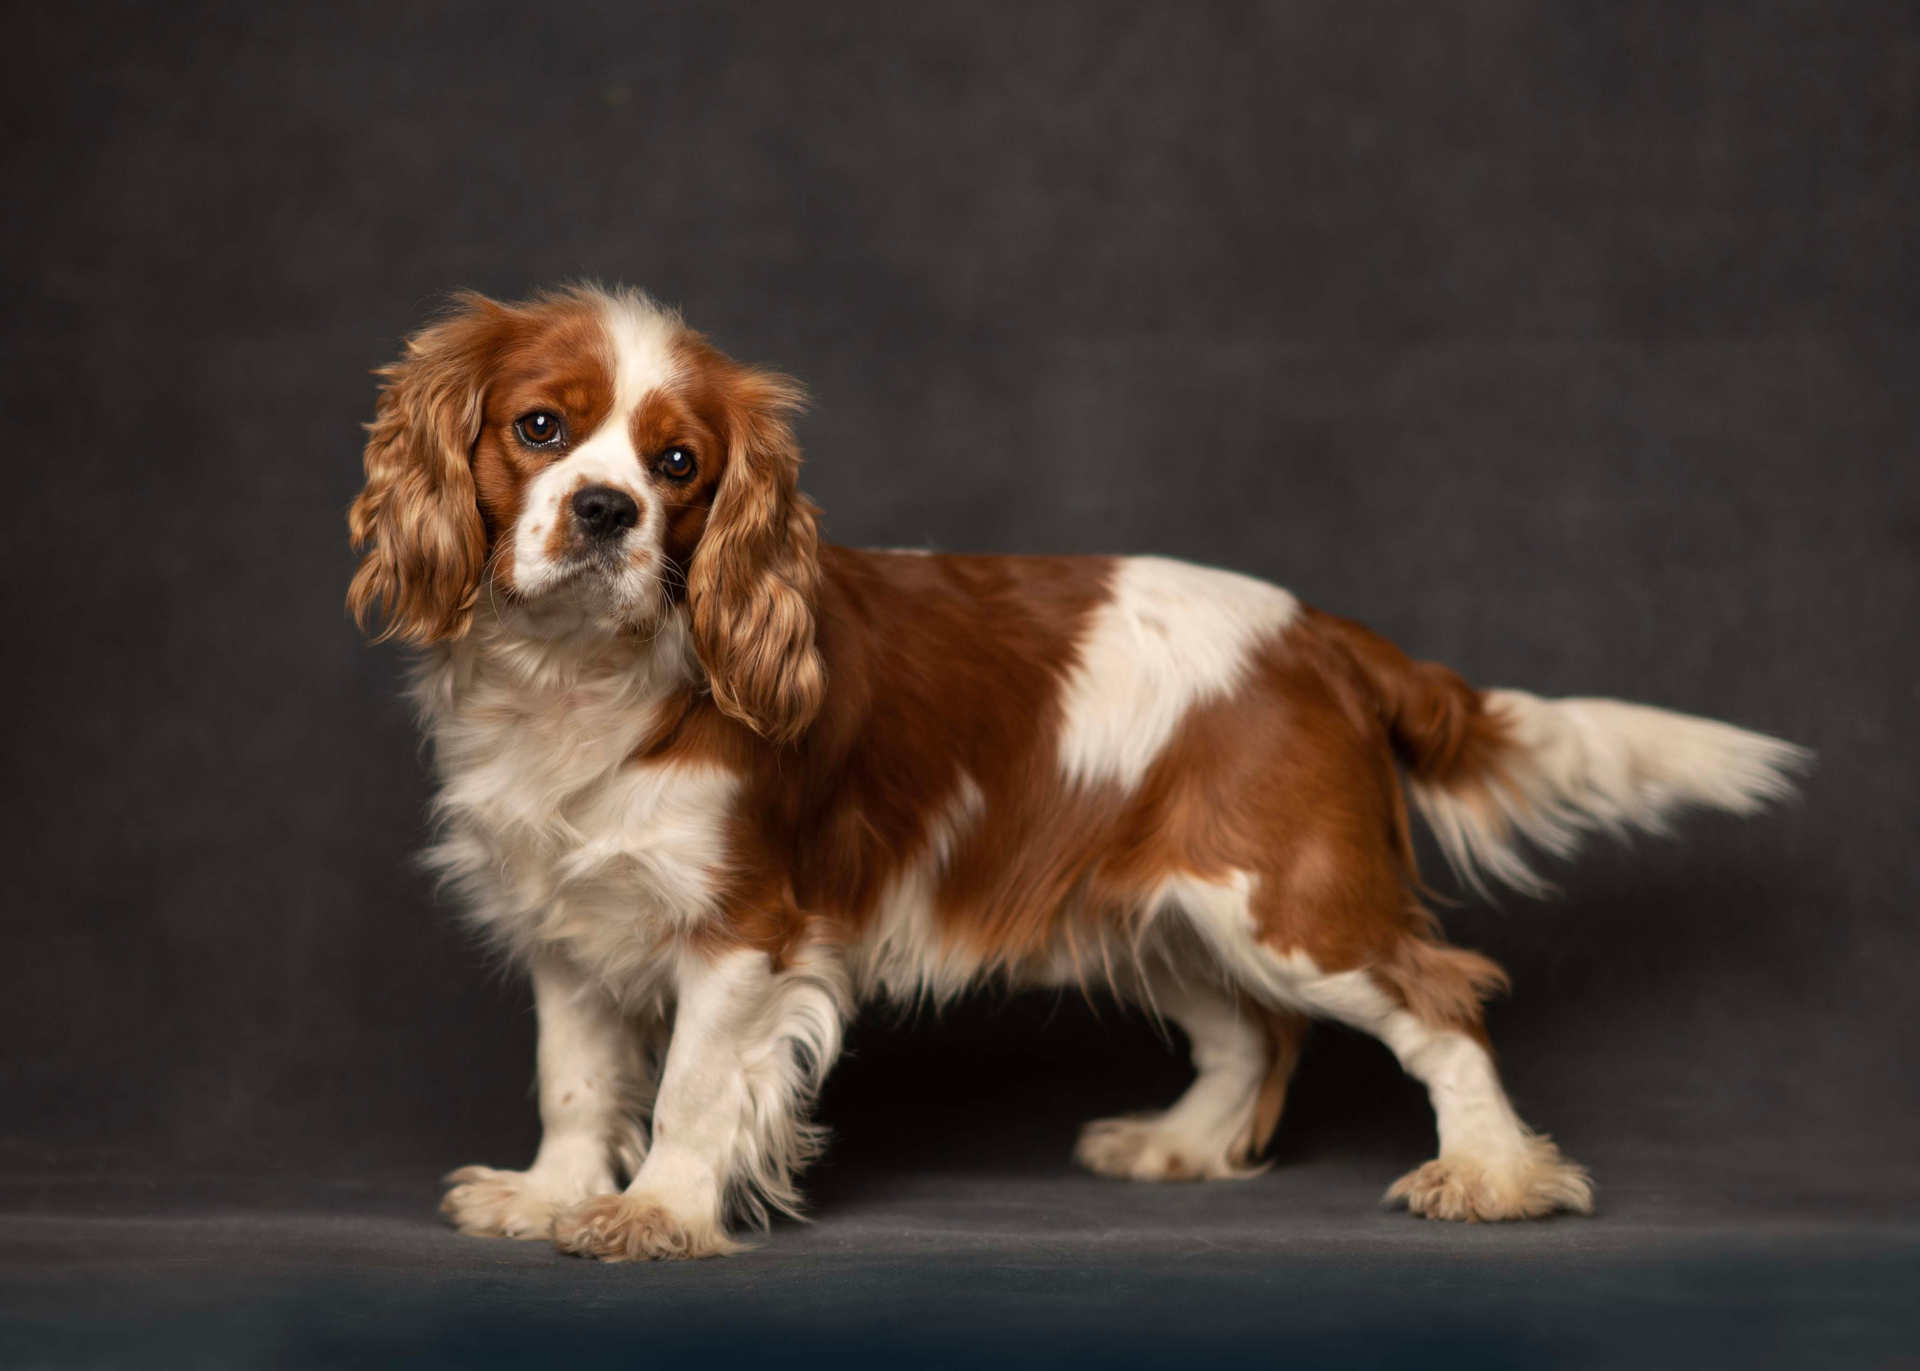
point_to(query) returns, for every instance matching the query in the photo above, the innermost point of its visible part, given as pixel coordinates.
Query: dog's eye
(676, 464)
(537, 429)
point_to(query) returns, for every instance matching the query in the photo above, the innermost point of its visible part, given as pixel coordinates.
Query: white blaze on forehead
(640, 350)
(639, 338)
(1170, 636)
(641, 334)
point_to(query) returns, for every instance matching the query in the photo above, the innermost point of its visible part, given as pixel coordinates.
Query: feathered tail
(1491, 769)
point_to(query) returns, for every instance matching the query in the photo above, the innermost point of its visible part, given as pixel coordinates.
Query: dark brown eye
(676, 464)
(538, 429)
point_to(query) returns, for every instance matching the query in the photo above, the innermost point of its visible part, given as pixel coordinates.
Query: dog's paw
(637, 1228)
(1144, 1147)
(501, 1204)
(1465, 1189)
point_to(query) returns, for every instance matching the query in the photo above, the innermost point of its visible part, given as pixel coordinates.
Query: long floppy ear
(755, 576)
(418, 518)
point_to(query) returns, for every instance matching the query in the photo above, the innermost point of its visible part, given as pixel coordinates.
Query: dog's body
(715, 785)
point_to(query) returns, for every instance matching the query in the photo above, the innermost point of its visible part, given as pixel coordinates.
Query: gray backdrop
(1571, 345)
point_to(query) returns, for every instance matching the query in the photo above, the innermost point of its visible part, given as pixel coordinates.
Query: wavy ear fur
(755, 576)
(418, 517)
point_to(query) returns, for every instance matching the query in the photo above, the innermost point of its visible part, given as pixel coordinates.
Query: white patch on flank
(1169, 637)
(906, 955)
(1583, 764)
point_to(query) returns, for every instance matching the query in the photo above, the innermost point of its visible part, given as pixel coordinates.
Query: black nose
(604, 511)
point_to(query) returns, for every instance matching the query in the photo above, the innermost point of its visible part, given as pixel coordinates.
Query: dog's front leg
(596, 1080)
(750, 1046)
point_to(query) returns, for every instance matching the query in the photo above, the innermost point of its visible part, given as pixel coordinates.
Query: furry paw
(501, 1204)
(1143, 1147)
(1467, 1189)
(636, 1228)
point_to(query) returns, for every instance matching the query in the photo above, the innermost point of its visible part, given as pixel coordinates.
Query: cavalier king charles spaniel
(714, 784)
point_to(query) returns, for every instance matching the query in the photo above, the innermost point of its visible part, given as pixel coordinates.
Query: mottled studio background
(1574, 345)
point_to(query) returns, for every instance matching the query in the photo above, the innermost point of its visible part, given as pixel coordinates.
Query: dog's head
(585, 460)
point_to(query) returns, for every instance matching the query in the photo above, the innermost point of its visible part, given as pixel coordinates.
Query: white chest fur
(551, 831)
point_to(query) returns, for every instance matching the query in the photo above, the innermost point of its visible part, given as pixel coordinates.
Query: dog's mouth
(590, 559)
(612, 582)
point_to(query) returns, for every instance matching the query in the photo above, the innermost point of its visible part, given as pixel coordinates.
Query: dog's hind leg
(1245, 1055)
(1392, 978)
(1491, 1166)
(1423, 1002)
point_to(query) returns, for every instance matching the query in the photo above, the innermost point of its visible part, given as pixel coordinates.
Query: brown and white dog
(714, 784)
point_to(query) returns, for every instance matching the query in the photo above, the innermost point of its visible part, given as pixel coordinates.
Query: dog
(714, 784)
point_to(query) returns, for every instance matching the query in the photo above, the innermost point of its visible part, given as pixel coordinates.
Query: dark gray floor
(1691, 1262)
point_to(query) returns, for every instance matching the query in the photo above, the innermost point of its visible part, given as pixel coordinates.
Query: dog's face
(589, 465)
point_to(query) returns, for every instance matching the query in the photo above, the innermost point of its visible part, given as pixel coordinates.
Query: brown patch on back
(964, 678)
(942, 666)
